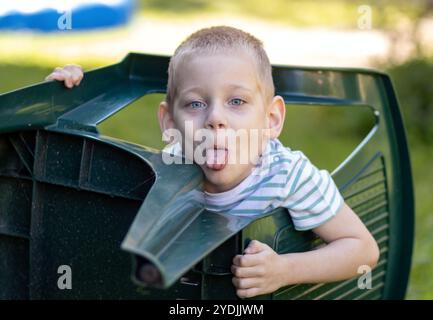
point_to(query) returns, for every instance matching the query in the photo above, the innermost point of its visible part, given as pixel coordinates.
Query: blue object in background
(48, 16)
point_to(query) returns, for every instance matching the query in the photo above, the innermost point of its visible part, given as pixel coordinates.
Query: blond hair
(220, 39)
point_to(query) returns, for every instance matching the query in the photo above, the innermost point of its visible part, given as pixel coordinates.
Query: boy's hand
(71, 74)
(257, 271)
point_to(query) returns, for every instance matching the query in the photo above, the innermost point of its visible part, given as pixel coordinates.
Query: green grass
(138, 123)
(95, 48)
(14, 77)
(421, 281)
(141, 117)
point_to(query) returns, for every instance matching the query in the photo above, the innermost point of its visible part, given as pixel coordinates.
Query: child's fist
(71, 74)
(257, 271)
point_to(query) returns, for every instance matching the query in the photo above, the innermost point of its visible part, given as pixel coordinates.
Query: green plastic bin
(106, 208)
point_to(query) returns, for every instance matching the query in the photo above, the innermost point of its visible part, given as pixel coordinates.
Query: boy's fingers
(68, 83)
(249, 260)
(75, 70)
(70, 67)
(49, 77)
(61, 75)
(255, 246)
(76, 73)
(58, 69)
(67, 78)
(248, 293)
(245, 283)
(55, 76)
(247, 272)
(80, 77)
(70, 74)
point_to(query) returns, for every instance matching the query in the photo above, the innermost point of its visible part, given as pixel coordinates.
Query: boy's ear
(165, 117)
(166, 120)
(276, 116)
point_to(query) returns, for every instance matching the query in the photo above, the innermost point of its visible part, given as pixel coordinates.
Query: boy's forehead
(236, 56)
(237, 71)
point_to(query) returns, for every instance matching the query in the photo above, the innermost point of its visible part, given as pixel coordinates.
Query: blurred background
(392, 36)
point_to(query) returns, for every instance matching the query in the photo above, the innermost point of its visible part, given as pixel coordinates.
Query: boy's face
(222, 92)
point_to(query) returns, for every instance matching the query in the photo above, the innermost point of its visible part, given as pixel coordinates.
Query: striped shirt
(282, 178)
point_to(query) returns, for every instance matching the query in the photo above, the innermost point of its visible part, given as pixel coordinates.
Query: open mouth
(216, 158)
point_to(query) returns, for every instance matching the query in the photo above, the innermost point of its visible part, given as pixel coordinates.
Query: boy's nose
(215, 118)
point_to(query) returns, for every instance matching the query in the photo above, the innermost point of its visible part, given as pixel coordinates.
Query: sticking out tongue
(216, 159)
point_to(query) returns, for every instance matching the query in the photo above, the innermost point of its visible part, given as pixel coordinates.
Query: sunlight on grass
(301, 13)
(53, 49)
(149, 29)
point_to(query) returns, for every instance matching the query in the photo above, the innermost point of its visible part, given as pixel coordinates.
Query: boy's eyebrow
(192, 89)
(199, 89)
(237, 86)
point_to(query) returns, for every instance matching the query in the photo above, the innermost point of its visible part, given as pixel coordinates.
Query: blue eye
(236, 102)
(197, 104)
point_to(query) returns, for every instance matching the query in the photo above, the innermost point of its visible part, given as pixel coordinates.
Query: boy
(220, 79)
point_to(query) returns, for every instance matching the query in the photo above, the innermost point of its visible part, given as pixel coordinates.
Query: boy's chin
(217, 181)
(220, 181)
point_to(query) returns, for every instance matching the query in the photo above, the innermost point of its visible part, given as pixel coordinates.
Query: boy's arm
(349, 245)
(71, 74)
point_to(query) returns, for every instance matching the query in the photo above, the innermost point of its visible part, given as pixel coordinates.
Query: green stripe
(322, 222)
(265, 179)
(309, 178)
(265, 198)
(332, 201)
(274, 185)
(321, 196)
(314, 225)
(273, 164)
(281, 161)
(308, 194)
(298, 176)
(290, 175)
(328, 207)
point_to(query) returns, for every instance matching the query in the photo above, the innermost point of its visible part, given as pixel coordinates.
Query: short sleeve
(311, 195)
